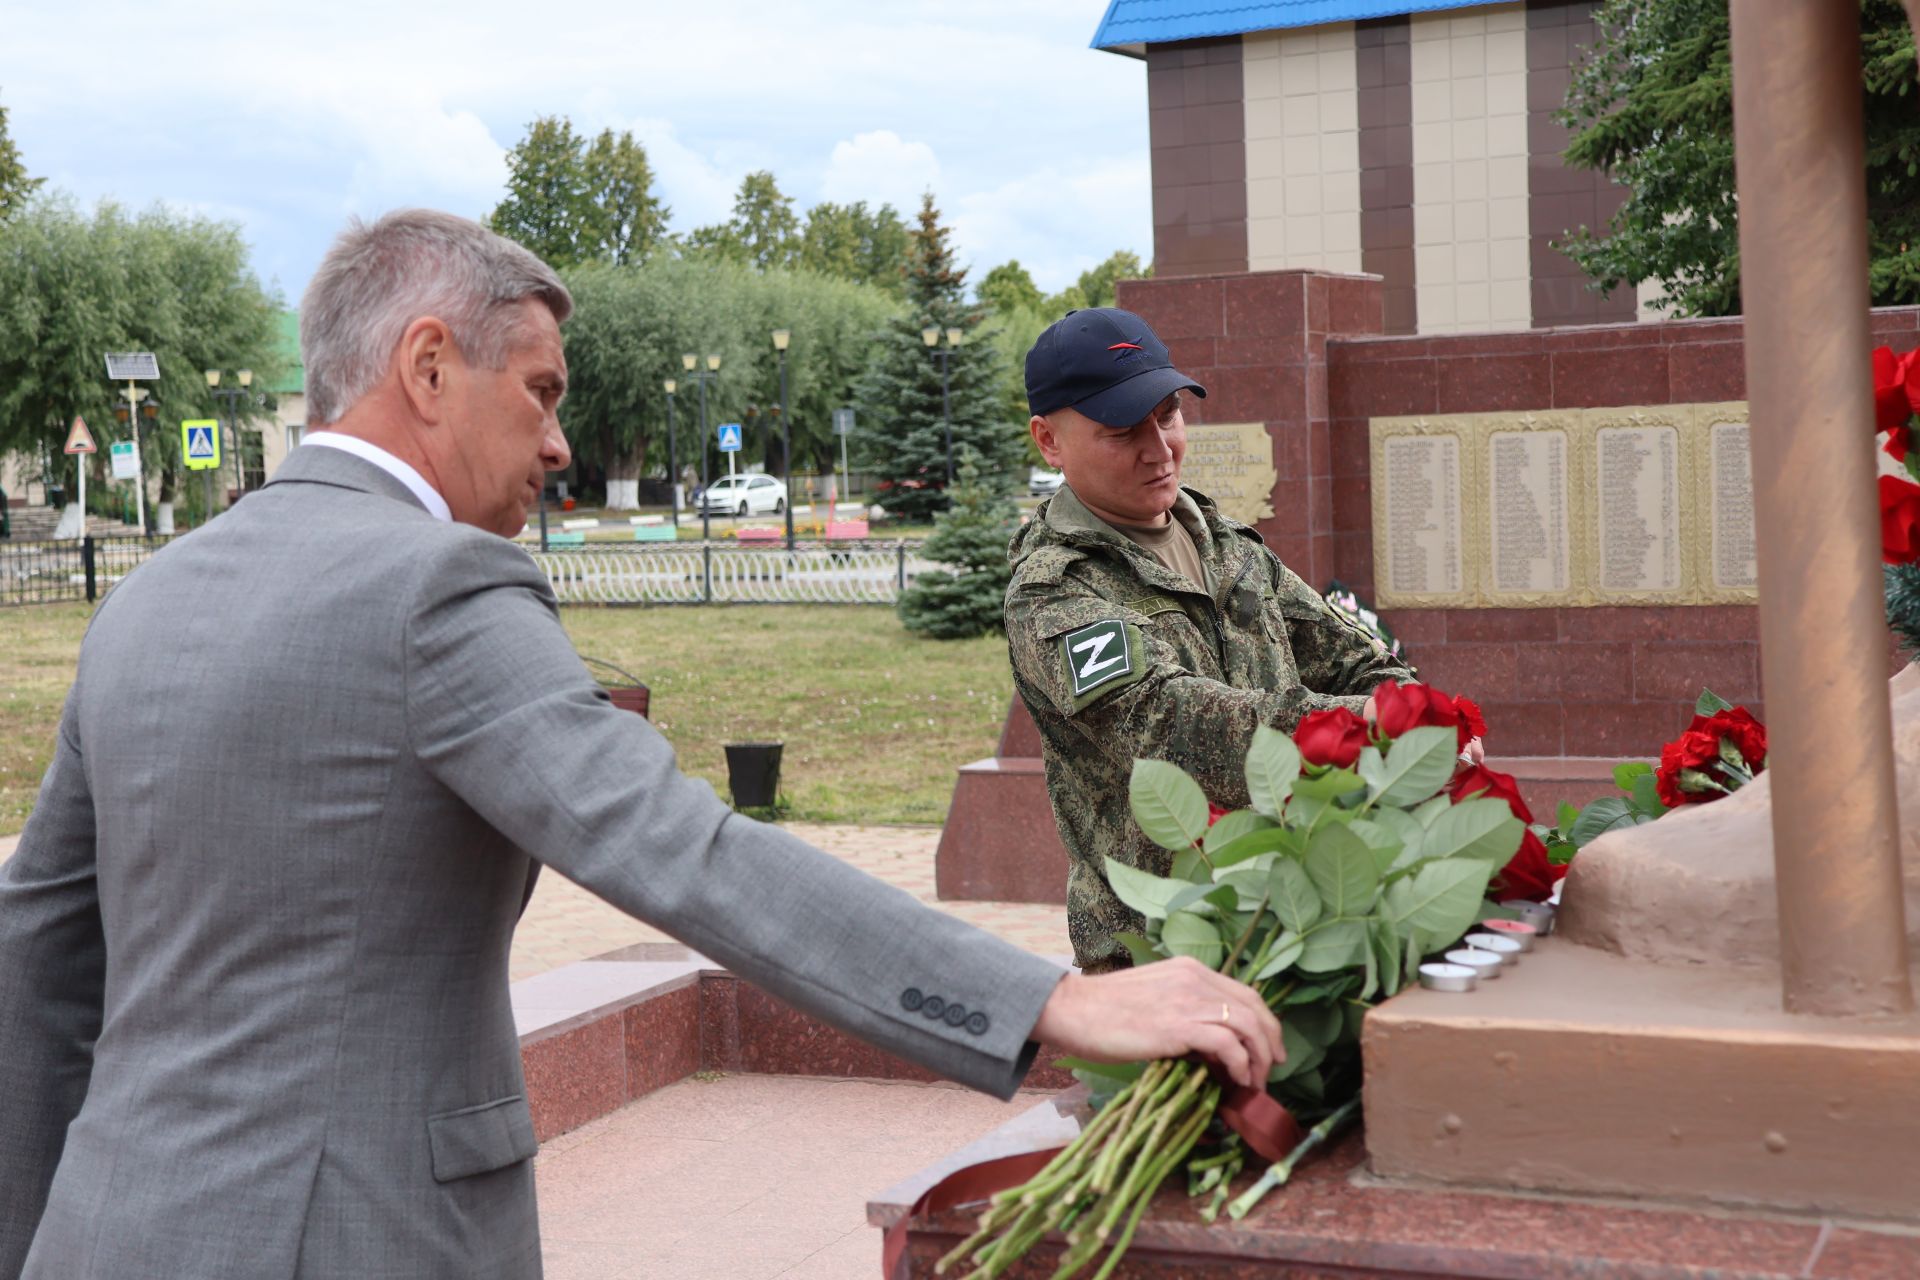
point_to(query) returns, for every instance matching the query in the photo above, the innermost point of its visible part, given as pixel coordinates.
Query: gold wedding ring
(1226, 1013)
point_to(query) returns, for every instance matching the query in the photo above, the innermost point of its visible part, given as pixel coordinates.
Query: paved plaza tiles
(748, 1177)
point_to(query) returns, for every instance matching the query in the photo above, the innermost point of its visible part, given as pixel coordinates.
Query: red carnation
(1697, 751)
(1899, 520)
(1480, 780)
(1892, 398)
(1748, 735)
(1332, 737)
(1531, 874)
(1400, 707)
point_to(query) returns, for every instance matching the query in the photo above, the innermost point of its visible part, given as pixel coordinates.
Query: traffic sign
(729, 437)
(200, 442)
(79, 439)
(126, 465)
(843, 422)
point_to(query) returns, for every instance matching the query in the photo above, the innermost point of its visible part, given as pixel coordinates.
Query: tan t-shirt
(1173, 546)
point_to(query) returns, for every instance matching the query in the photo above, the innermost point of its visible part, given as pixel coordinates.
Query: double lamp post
(703, 372)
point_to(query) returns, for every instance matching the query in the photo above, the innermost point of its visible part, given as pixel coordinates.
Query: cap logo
(1127, 350)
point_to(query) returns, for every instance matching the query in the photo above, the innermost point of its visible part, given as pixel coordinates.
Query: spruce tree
(901, 393)
(972, 537)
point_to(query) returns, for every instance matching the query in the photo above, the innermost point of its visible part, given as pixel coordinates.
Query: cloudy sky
(288, 118)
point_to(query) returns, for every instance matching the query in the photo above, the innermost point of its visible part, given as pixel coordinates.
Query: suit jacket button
(911, 999)
(977, 1023)
(956, 1015)
(933, 1008)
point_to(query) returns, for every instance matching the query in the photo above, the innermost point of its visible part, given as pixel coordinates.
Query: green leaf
(1252, 845)
(1292, 895)
(1230, 828)
(1385, 941)
(1111, 1070)
(1189, 934)
(1339, 944)
(1319, 1025)
(1439, 899)
(1169, 806)
(1646, 795)
(1334, 988)
(1139, 947)
(1710, 703)
(1432, 809)
(1142, 890)
(1416, 949)
(1247, 887)
(1342, 870)
(1302, 1054)
(1328, 784)
(1601, 816)
(1404, 827)
(1191, 866)
(1372, 768)
(1626, 771)
(1418, 763)
(1285, 952)
(1484, 828)
(1218, 895)
(1273, 765)
(1566, 815)
(1380, 841)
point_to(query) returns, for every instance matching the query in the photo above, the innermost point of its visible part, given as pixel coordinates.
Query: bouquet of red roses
(1896, 393)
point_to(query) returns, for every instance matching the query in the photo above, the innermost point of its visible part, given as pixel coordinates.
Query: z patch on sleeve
(1100, 655)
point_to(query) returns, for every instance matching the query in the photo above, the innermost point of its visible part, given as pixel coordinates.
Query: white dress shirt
(416, 484)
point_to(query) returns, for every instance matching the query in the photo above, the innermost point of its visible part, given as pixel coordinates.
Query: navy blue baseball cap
(1104, 362)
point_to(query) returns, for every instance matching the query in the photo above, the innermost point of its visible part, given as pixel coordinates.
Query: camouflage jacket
(1117, 658)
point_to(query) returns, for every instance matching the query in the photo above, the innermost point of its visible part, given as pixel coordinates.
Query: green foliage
(966, 600)
(74, 286)
(852, 242)
(572, 201)
(1008, 287)
(1652, 105)
(1903, 603)
(901, 395)
(763, 233)
(631, 324)
(15, 186)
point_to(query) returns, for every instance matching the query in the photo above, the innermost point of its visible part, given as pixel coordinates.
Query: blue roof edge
(1186, 26)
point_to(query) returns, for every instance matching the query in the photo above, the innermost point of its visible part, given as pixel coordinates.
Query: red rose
(1892, 401)
(1331, 737)
(1899, 441)
(1531, 874)
(1899, 520)
(1749, 736)
(1693, 750)
(1698, 749)
(1215, 813)
(1400, 707)
(1480, 780)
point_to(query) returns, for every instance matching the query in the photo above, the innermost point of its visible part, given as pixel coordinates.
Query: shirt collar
(416, 484)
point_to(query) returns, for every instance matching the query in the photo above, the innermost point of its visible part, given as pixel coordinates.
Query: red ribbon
(1262, 1123)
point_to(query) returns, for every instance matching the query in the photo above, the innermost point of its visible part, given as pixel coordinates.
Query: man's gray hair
(379, 278)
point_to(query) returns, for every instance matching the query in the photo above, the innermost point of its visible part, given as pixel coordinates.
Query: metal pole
(87, 563)
(946, 408)
(706, 475)
(786, 447)
(673, 466)
(139, 471)
(1798, 139)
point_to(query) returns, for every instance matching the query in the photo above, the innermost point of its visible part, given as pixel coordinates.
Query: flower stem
(1278, 1173)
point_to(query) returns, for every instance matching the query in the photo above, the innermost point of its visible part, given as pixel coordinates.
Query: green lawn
(875, 721)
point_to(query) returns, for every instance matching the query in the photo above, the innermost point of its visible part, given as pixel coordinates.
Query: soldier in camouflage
(1143, 623)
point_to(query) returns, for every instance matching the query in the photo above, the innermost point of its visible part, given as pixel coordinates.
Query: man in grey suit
(254, 1018)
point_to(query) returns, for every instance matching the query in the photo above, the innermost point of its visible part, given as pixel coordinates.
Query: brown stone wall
(1197, 129)
(1383, 74)
(1600, 681)
(1562, 200)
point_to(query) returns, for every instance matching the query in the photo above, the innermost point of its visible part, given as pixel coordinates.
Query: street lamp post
(134, 411)
(673, 455)
(781, 337)
(690, 364)
(232, 396)
(931, 336)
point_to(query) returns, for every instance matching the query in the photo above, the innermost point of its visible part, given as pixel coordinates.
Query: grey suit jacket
(253, 944)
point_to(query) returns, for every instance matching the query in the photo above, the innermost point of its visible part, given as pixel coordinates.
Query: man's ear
(1043, 438)
(426, 361)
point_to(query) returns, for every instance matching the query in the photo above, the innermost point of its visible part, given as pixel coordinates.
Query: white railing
(696, 573)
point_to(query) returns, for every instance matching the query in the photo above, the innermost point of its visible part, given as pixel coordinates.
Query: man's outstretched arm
(52, 979)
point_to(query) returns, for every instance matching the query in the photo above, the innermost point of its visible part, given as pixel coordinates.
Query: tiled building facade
(1418, 146)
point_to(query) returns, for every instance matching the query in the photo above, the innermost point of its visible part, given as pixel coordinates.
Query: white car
(745, 496)
(1041, 482)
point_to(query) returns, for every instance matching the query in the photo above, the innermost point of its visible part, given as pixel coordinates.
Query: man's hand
(1475, 752)
(1164, 1010)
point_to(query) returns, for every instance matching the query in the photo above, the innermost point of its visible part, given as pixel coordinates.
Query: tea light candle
(1507, 949)
(1519, 930)
(1537, 914)
(1484, 963)
(1435, 976)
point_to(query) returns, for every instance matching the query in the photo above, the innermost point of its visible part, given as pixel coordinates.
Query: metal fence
(706, 573)
(48, 572)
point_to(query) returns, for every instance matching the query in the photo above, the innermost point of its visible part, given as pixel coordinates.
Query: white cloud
(881, 168)
(697, 189)
(1057, 224)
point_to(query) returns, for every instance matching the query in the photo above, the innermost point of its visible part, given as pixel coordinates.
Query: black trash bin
(753, 773)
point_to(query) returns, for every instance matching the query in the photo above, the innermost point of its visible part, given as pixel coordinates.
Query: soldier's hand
(1164, 1010)
(1475, 752)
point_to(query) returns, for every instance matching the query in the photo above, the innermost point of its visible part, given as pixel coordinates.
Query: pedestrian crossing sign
(200, 443)
(729, 437)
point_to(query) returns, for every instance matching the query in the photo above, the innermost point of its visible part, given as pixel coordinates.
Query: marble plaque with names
(1527, 511)
(1421, 488)
(1232, 463)
(1730, 457)
(1637, 490)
